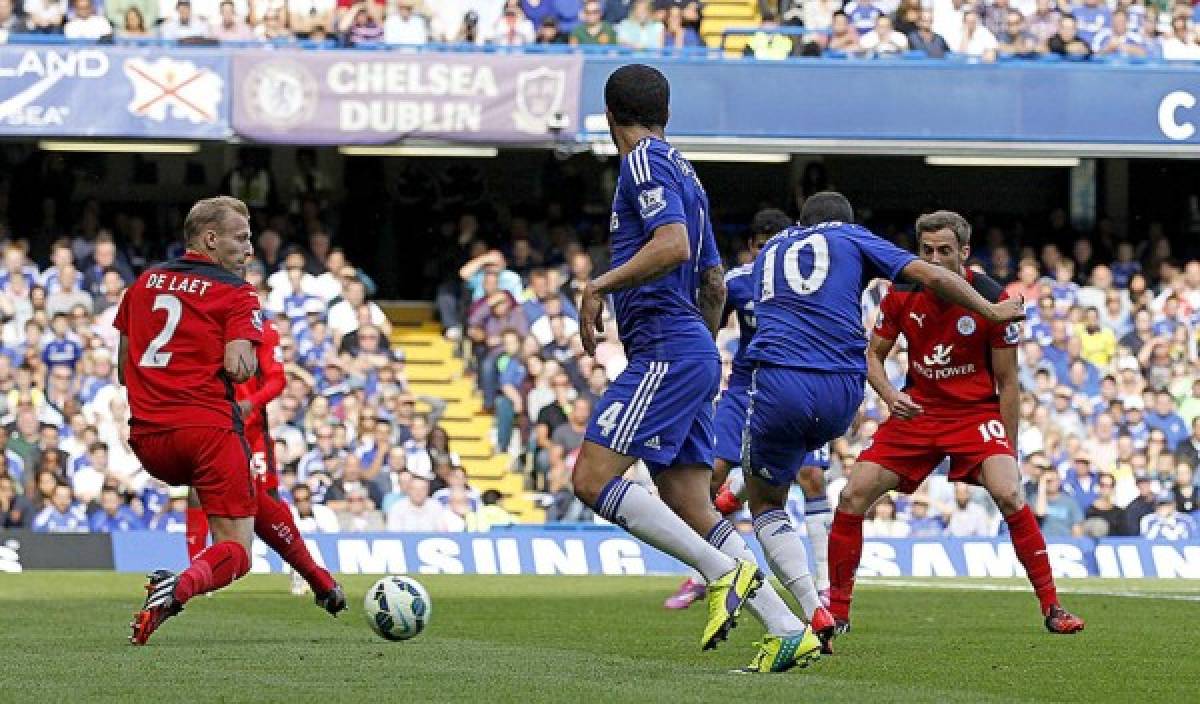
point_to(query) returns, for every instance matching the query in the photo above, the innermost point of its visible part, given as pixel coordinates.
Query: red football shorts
(914, 448)
(214, 462)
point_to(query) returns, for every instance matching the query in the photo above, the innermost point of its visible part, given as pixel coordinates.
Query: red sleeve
(244, 319)
(1004, 334)
(272, 380)
(887, 323)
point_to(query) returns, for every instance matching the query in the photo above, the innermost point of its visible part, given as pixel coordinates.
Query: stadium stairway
(434, 370)
(722, 14)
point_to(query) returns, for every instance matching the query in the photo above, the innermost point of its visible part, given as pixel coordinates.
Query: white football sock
(647, 517)
(817, 520)
(788, 558)
(766, 604)
(737, 484)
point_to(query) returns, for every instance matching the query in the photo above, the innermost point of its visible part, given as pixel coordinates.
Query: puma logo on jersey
(940, 356)
(920, 318)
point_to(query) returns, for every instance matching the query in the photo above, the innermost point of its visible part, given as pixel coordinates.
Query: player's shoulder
(987, 287)
(743, 271)
(651, 158)
(205, 269)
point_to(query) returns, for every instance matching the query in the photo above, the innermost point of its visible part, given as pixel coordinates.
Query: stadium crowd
(983, 30)
(1109, 372)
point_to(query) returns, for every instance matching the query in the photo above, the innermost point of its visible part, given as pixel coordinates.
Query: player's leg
(1000, 476)
(817, 519)
(685, 490)
(197, 526)
(274, 524)
(868, 481)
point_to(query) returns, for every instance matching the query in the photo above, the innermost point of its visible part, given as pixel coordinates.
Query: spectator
(86, 23)
(1015, 40)
(676, 35)
(363, 29)
(359, 515)
(343, 315)
(881, 520)
(45, 16)
(1092, 16)
(307, 16)
(1141, 506)
(768, 43)
(1043, 23)
(924, 39)
(923, 524)
(113, 516)
(640, 30)
(1165, 523)
(1119, 39)
(548, 32)
(405, 27)
(271, 29)
(883, 39)
(1164, 418)
(1105, 518)
(11, 21)
(1059, 514)
(15, 510)
(975, 40)
(310, 516)
(863, 15)
(843, 38)
(350, 480)
(1188, 450)
(418, 512)
(1184, 490)
(593, 29)
(967, 518)
(1180, 45)
(1066, 42)
(62, 514)
(1081, 483)
(513, 29)
(184, 25)
(231, 28)
(616, 10)
(510, 403)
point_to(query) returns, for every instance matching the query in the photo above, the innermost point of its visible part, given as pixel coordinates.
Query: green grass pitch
(565, 639)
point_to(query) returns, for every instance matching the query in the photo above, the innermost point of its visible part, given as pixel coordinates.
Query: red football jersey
(949, 347)
(177, 317)
(262, 388)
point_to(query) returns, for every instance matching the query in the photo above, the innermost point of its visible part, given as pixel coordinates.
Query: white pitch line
(964, 586)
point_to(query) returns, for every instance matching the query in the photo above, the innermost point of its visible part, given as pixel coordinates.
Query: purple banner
(364, 97)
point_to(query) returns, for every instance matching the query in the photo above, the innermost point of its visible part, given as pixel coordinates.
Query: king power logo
(940, 356)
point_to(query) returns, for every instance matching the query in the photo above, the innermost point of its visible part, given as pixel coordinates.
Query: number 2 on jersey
(154, 357)
(799, 283)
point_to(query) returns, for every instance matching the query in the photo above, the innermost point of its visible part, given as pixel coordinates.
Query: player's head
(944, 239)
(826, 206)
(765, 225)
(220, 229)
(637, 95)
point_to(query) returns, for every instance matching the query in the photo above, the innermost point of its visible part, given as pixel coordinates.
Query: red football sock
(845, 551)
(274, 525)
(213, 568)
(1030, 546)
(197, 532)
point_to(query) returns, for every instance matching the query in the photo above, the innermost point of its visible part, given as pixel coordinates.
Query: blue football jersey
(739, 298)
(660, 319)
(808, 284)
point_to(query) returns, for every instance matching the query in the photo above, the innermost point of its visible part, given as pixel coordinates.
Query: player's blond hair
(210, 213)
(943, 219)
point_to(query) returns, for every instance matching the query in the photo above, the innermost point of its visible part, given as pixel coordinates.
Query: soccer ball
(397, 608)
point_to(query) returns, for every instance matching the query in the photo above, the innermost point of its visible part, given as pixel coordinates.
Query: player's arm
(272, 378)
(955, 289)
(1004, 367)
(666, 250)
(240, 361)
(122, 352)
(899, 403)
(711, 298)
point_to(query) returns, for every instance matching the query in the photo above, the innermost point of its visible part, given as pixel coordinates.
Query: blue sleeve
(882, 258)
(653, 188)
(710, 256)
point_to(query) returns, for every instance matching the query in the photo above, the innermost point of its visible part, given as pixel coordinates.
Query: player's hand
(591, 316)
(904, 408)
(246, 406)
(1008, 310)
